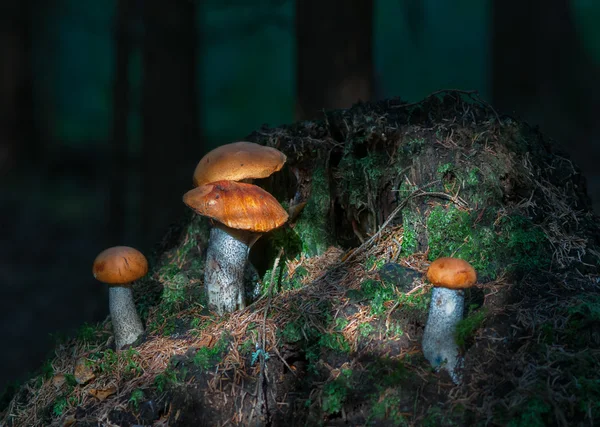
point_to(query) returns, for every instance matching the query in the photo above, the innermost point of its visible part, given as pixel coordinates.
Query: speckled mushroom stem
(439, 345)
(127, 325)
(226, 260)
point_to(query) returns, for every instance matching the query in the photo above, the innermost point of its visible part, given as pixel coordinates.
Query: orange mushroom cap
(451, 273)
(237, 205)
(119, 265)
(238, 161)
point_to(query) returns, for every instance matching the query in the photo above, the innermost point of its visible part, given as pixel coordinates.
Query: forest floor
(337, 344)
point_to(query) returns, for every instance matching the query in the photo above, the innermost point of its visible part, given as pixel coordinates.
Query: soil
(334, 338)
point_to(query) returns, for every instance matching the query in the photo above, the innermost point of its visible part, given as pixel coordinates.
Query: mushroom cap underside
(119, 265)
(238, 161)
(237, 205)
(452, 273)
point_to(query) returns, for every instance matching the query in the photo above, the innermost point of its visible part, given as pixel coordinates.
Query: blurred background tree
(105, 107)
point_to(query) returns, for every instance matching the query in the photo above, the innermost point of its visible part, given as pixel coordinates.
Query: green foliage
(377, 294)
(62, 403)
(108, 361)
(467, 326)
(312, 225)
(334, 341)
(206, 357)
(288, 239)
(365, 329)
(360, 175)
(435, 417)
(137, 397)
(91, 334)
(411, 147)
(583, 315)
(374, 263)
(387, 407)
(534, 413)
(164, 380)
(291, 332)
(295, 281)
(513, 242)
(174, 291)
(445, 168)
(335, 393)
(411, 222)
(247, 347)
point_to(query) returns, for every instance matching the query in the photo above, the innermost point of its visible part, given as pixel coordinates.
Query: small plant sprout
(449, 276)
(118, 267)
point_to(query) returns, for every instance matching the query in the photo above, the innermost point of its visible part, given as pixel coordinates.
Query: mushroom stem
(127, 325)
(439, 345)
(226, 259)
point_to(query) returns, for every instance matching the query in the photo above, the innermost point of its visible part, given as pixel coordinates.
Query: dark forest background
(106, 107)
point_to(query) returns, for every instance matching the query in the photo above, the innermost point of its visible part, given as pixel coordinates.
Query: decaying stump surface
(377, 192)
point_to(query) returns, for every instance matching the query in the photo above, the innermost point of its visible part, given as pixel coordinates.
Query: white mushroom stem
(226, 259)
(127, 325)
(439, 345)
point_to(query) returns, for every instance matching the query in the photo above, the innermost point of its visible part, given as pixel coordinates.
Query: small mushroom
(450, 276)
(238, 161)
(243, 212)
(118, 267)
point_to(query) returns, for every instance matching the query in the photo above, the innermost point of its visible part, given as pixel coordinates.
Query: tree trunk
(541, 70)
(119, 171)
(171, 146)
(15, 84)
(334, 55)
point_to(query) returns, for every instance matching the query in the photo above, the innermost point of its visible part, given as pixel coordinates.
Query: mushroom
(243, 212)
(118, 267)
(238, 161)
(450, 276)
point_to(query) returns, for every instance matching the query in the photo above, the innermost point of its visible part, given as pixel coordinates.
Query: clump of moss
(335, 393)
(312, 226)
(512, 243)
(467, 326)
(206, 357)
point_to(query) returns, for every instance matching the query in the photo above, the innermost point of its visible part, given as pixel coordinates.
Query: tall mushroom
(243, 212)
(118, 267)
(450, 276)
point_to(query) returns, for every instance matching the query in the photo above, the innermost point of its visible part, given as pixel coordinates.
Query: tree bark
(119, 171)
(171, 146)
(541, 70)
(334, 55)
(16, 129)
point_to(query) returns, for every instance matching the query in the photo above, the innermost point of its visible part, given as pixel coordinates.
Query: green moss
(92, 334)
(374, 263)
(205, 358)
(108, 361)
(165, 379)
(312, 226)
(467, 326)
(410, 223)
(335, 393)
(334, 341)
(359, 175)
(291, 332)
(535, 412)
(136, 398)
(377, 294)
(386, 407)
(512, 243)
